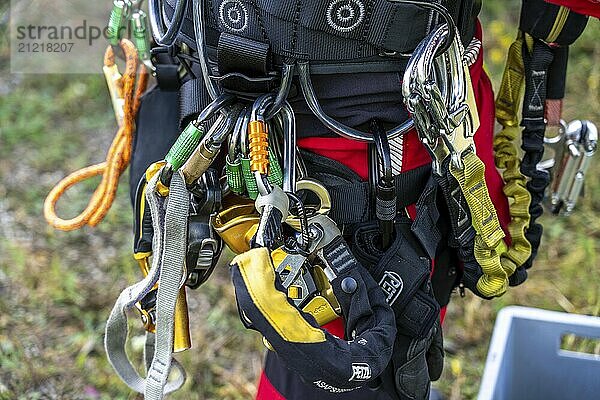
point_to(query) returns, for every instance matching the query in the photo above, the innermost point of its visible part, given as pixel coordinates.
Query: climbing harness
(313, 242)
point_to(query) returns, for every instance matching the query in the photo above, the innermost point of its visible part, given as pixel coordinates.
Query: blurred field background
(57, 288)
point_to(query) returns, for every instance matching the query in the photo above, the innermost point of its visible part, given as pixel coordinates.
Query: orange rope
(118, 156)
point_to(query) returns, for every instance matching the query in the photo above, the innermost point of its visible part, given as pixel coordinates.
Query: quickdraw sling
(537, 60)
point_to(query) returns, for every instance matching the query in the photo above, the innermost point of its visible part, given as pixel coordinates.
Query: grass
(57, 288)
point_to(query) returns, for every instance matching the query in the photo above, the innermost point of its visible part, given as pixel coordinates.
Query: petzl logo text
(392, 285)
(360, 372)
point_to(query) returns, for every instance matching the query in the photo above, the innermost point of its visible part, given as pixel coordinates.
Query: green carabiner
(115, 22)
(141, 35)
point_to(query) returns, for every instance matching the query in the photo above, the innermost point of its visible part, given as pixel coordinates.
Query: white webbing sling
(169, 219)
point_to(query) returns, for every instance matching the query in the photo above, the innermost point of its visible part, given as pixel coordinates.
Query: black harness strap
(193, 98)
(166, 72)
(425, 225)
(351, 197)
(537, 63)
(462, 234)
(335, 35)
(236, 54)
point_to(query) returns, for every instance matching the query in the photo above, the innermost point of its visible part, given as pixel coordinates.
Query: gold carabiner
(322, 194)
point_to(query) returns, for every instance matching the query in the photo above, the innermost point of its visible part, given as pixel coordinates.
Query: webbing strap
(193, 98)
(506, 156)
(242, 55)
(170, 230)
(335, 35)
(350, 196)
(462, 234)
(537, 62)
(488, 243)
(148, 350)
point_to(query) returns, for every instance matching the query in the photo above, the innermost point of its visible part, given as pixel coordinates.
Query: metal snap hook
(320, 192)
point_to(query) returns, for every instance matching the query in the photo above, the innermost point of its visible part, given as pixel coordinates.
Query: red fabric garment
(354, 155)
(266, 391)
(586, 7)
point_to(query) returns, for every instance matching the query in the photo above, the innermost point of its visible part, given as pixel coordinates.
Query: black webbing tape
(193, 98)
(538, 18)
(425, 224)
(557, 74)
(537, 63)
(243, 55)
(166, 72)
(462, 233)
(351, 203)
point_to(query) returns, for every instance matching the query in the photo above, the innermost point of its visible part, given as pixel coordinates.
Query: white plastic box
(525, 360)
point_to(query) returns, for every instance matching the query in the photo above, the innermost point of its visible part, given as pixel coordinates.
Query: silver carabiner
(581, 140)
(289, 148)
(212, 87)
(554, 139)
(439, 94)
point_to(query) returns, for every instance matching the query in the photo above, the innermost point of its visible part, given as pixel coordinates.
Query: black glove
(402, 271)
(318, 357)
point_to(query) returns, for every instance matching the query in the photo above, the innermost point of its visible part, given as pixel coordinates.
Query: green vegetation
(57, 288)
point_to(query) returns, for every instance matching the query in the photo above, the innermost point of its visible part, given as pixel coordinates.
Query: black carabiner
(383, 180)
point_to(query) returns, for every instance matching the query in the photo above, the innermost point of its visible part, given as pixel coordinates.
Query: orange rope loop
(123, 88)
